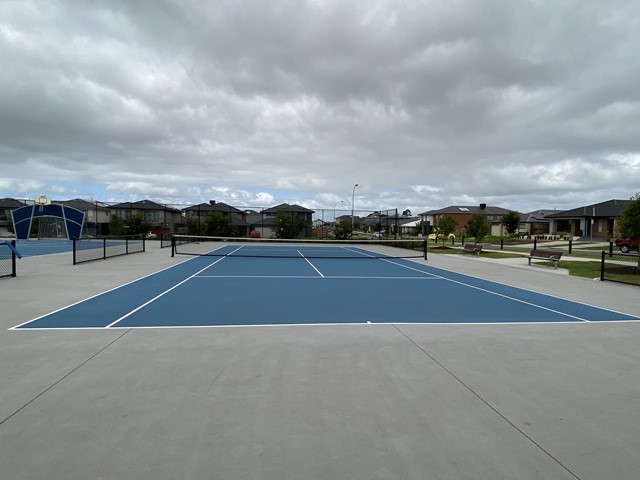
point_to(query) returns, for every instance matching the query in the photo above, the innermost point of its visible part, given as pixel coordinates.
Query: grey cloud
(300, 100)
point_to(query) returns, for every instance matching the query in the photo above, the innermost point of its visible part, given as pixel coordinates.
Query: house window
(152, 216)
(123, 214)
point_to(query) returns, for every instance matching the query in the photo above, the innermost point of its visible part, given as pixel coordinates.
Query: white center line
(312, 265)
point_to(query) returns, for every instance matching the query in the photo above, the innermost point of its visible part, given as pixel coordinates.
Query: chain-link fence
(620, 267)
(221, 219)
(8, 258)
(89, 249)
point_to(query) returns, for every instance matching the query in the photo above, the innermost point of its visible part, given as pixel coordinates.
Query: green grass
(580, 269)
(458, 251)
(589, 269)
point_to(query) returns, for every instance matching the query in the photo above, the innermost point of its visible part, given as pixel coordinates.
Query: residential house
(596, 221)
(536, 222)
(320, 228)
(237, 218)
(7, 205)
(266, 220)
(163, 218)
(409, 226)
(97, 215)
(462, 214)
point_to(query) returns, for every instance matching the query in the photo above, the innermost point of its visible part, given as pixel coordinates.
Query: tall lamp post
(353, 197)
(335, 223)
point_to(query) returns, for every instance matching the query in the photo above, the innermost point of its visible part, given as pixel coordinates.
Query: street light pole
(353, 197)
(335, 223)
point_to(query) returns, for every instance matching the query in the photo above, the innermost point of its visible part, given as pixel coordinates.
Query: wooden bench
(472, 248)
(549, 255)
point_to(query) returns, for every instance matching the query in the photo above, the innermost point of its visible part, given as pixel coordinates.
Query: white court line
(167, 291)
(333, 324)
(496, 293)
(312, 265)
(330, 277)
(99, 294)
(636, 318)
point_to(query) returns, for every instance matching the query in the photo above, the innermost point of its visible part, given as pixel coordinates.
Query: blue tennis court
(300, 288)
(31, 248)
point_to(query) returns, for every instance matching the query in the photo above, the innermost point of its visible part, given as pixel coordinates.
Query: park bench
(472, 248)
(549, 255)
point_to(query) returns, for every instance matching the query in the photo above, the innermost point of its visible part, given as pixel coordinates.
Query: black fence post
(570, 245)
(426, 242)
(610, 248)
(173, 246)
(75, 244)
(502, 244)
(144, 245)
(535, 243)
(104, 248)
(602, 267)
(13, 259)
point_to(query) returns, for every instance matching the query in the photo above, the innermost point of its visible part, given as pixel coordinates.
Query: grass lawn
(589, 269)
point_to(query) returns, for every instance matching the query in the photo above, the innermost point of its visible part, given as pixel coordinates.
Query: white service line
(312, 265)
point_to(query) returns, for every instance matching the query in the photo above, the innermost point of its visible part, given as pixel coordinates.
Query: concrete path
(316, 402)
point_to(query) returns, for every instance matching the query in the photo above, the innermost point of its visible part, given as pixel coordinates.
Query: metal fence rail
(8, 254)
(620, 267)
(89, 249)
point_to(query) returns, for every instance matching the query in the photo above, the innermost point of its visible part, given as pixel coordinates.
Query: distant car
(439, 236)
(625, 245)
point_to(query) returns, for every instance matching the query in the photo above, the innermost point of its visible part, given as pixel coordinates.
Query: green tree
(628, 224)
(217, 224)
(288, 225)
(137, 225)
(117, 226)
(343, 229)
(478, 227)
(193, 226)
(446, 226)
(511, 221)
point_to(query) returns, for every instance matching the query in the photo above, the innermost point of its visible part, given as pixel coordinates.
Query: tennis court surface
(152, 367)
(271, 283)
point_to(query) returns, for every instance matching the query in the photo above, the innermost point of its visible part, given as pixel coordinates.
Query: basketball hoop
(42, 201)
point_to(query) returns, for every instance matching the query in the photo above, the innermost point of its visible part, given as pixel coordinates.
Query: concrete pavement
(317, 402)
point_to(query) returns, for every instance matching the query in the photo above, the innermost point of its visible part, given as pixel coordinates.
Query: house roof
(11, 203)
(411, 223)
(144, 205)
(610, 208)
(80, 204)
(537, 216)
(467, 210)
(213, 207)
(285, 207)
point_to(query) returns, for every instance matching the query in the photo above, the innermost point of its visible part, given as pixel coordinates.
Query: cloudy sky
(523, 104)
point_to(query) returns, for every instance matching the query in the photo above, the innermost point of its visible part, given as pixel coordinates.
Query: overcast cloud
(423, 104)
